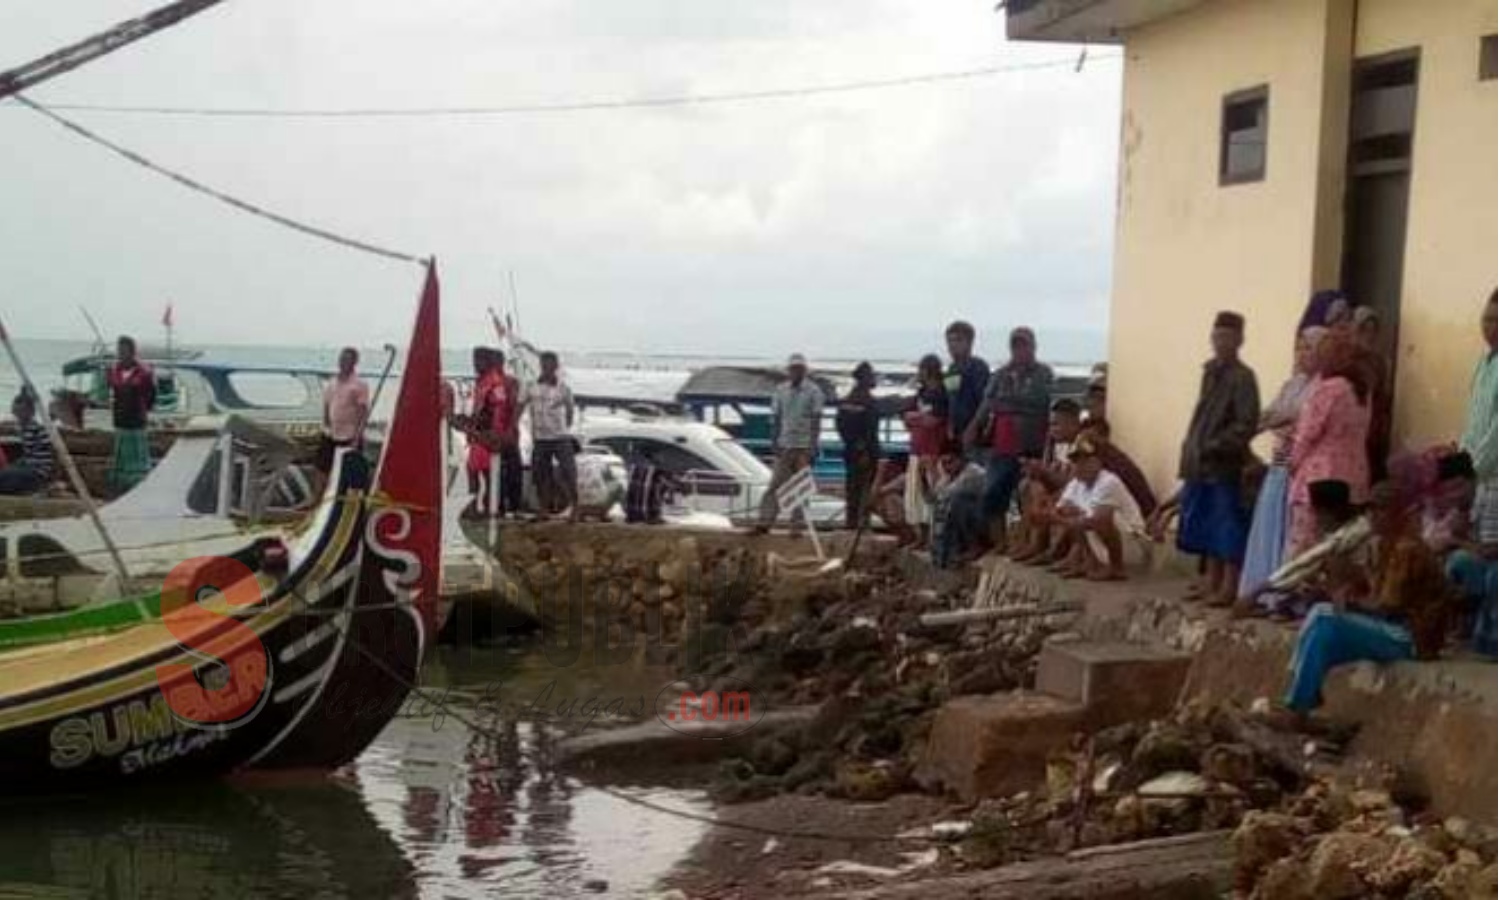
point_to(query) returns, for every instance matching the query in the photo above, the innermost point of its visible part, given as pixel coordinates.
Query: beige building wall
(1450, 240)
(1187, 247)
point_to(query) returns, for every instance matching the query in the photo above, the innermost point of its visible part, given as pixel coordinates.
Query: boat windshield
(742, 457)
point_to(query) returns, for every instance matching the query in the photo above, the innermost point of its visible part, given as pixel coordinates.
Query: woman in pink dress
(1330, 440)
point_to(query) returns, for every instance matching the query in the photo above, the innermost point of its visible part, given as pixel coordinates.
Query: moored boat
(295, 662)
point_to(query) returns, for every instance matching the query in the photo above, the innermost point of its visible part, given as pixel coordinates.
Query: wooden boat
(297, 663)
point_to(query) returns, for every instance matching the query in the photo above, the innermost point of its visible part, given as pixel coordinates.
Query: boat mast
(61, 449)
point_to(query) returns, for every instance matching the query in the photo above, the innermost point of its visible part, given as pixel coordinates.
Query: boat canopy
(741, 384)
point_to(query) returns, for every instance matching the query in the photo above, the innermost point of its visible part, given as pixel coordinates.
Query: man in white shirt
(1098, 516)
(554, 470)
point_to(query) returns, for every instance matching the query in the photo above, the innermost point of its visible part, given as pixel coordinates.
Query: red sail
(410, 475)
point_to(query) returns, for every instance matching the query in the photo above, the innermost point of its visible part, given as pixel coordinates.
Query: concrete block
(1114, 681)
(996, 745)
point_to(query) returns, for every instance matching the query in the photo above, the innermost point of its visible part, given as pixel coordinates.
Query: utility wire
(235, 202)
(577, 105)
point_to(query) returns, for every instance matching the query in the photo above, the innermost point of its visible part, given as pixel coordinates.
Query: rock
(1229, 763)
(1164, 748)
(1465, 880)
(994, 746)
(1340, 863)
(865, 783)
(1412, 863)
(851, 641)
(1261, 839)
(773, 756)
(1285, 879)
(596, 885)
(1173, 784)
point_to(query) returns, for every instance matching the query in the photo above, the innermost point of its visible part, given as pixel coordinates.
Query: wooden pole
(61, 449)
(58, 62)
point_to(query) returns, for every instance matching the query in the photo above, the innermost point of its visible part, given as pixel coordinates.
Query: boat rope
(228, 199)
(585, 105)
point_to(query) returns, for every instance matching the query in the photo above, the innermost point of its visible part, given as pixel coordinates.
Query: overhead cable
(574, 106)
(235, 202)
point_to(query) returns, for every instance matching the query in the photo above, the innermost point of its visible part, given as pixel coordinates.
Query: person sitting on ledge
(1389, 598)
(1097, 516)
(1044, 482)
(958, 523)
(1343, 541)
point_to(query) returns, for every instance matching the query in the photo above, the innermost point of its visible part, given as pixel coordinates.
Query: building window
(1242, 138)
(1487, 58)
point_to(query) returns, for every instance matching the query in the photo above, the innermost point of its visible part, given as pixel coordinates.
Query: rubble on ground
(860, 650)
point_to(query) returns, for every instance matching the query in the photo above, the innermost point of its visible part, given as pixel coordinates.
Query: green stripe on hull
(82, 622)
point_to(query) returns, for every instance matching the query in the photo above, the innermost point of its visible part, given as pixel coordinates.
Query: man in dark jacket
(858, 423)
(1015, 410)
(1214, 521)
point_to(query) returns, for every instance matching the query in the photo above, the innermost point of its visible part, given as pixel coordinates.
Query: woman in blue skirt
(1268, 528)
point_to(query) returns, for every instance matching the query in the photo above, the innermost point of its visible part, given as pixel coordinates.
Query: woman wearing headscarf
(1329, 441)
(1268, 529)
(1325, 309)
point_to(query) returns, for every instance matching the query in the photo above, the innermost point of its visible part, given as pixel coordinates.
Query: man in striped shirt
(33, 470)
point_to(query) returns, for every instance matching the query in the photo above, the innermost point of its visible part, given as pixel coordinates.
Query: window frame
(1260, 93)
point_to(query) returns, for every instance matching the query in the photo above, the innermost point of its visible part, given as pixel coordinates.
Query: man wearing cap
(1016, 404)
(1097, 513)
(796, 420)
(1214, 521)
(858, 422)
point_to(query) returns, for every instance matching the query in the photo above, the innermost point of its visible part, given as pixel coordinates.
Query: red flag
(166, 316)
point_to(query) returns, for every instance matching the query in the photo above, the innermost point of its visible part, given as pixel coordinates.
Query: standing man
(965, 381)
(1215, 453)
(346, 407)
(1479, 431)
(859, 428)
(796, 421)
(505, 422)
(1015, 407)
(132, 392)
(554, 470)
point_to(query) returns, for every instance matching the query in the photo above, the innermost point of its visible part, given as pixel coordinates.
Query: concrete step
(996, 745)
(1113, 681)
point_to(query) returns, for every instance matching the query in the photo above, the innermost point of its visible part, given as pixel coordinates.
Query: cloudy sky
(844, 224)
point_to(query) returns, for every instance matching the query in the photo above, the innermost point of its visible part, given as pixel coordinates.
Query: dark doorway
(1383, 116)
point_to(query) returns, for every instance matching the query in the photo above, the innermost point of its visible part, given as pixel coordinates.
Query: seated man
(890, 502)
(957, 500)
(1119, 462)
(1308, 579)
(1388, 597)
(33, 470)
(1098, 516)
(1455, 529)
(1043, 483)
